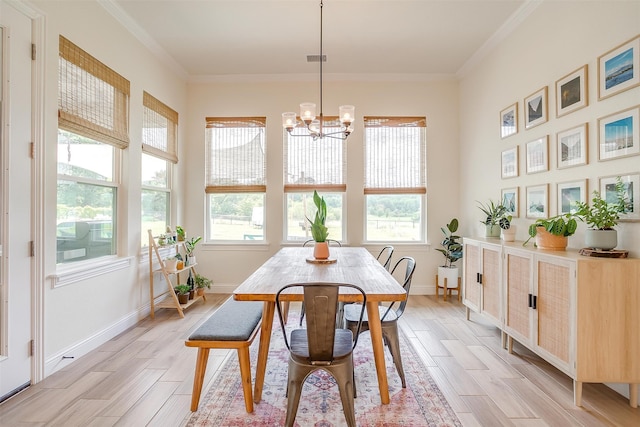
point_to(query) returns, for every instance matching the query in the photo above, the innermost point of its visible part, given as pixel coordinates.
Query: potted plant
(183, 293)
(189, 247)
(319, 230)
(181, 233)
(602, 216)
(171, 263)
(552, 233)
(494, 212)
(452, 251)
(508, 230)
(202, 283)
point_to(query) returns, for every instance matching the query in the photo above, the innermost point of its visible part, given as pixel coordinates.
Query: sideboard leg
(468, 313)
(633, 395)
(509, 344)
(577, 393)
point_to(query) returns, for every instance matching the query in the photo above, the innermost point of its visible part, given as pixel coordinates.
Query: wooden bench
(233, 325)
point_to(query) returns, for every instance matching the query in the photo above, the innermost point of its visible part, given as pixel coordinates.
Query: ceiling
(208, 39)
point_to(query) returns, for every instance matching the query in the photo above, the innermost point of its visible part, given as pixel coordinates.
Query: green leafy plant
(602, 215)
(202, 282)
(181, 233)
(451, 247)
(190, 245)
(182, 289)
(496, 214)
(560, 225)
(319, 231)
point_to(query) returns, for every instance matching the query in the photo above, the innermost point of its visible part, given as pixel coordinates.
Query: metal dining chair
(321, 345)
(306, 243)
(385, 256)
(388, 316)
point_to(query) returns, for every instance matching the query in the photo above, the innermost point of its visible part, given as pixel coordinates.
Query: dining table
(352, 265)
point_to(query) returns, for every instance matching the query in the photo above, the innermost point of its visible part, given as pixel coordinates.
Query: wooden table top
(354, 265)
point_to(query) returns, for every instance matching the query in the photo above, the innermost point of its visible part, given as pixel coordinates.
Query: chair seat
(352, 313)
(342, 344)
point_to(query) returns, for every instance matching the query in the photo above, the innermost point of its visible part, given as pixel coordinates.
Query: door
(490, 281)
(471, 274)
(518, 295)
(15, 202)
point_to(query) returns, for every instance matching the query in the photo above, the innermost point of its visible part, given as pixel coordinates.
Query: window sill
(66, 275)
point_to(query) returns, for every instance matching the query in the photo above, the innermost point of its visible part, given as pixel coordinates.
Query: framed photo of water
(619, 134)
(619, 69)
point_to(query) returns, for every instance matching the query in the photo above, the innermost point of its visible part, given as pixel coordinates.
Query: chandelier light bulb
(307, 112)
(289, 121)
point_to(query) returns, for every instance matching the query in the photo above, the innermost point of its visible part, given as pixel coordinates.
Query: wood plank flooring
(144, 376)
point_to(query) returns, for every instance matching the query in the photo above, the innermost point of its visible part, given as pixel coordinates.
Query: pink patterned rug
(420, 404)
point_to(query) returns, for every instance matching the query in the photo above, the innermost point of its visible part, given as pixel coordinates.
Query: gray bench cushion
(233, 321)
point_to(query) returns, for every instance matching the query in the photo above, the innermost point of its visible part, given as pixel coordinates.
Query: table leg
(263, 350)
(375, 329)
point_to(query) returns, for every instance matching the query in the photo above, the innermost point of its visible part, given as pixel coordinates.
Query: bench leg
(245, 375)
(198, 378)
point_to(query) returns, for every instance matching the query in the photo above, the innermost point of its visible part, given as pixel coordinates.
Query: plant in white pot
(493, 213)
(602, 216)
(319, 230)
(189, 247)
(452, 251)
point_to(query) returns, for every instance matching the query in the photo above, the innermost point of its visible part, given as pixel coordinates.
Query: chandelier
(315, 125)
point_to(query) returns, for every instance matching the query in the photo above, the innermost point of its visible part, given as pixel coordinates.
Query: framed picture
(510, 163)
(572, 147)
(510, 201)
(571, 92)
(632, 186)
(537, 201)
(509, 121)
(619, 134)
(569, 193)
(535, 108)
(538, 155)
(619, 69)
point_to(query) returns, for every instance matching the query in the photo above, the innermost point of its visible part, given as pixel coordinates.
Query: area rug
(420, 404)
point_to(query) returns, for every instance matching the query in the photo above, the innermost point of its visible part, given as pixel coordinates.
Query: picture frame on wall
(509, 163)
(569, 193)
(619, 69)
(571, 92)
(509, 198)
(632, 191)
(535, 108)
(537, 201)
(619, 134)
(538, 155)
(572, 147)
(509, 121)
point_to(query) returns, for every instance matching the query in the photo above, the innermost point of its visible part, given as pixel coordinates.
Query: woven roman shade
(236, 161)
(395, 155)
(93, 100)
(315, 165)
(159, 129)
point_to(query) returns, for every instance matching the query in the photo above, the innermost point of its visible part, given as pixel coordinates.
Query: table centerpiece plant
(319, 230)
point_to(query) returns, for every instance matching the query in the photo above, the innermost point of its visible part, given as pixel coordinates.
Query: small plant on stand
(202, 283)
(189, 247)
(452, 251)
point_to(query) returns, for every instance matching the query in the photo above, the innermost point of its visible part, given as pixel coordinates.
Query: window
(395, 178)
(93, 127)
(159, 146)
(314, 165)
(235, 178)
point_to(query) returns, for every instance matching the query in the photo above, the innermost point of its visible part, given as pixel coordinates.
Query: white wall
(556, 39)
(82, 314)
(437, 100)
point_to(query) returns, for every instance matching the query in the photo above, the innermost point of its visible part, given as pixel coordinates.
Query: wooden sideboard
(579, 313)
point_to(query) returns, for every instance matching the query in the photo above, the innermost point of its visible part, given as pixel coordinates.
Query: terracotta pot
(321, 250)
(200, 291)
(550, 242)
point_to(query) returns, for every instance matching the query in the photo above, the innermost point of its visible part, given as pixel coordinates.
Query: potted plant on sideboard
(452, 251)
(601, 216)
(552, 233)
(493, 212)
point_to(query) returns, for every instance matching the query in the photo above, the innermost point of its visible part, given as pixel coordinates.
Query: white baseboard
(68, 355)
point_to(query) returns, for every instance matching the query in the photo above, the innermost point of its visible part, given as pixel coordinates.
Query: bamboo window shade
(315, 165)
(236, 161)
(395, 155)
(159, 129)
(93, 100)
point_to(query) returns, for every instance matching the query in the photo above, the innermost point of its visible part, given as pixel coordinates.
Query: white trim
(86, 271)
(72, 353)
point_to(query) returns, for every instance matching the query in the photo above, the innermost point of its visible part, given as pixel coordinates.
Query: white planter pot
(191, 260)
(451, 274)
(508, 235)
(171, 264)
(601, 239)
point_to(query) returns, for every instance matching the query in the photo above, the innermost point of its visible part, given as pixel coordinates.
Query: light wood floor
(144, 377)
